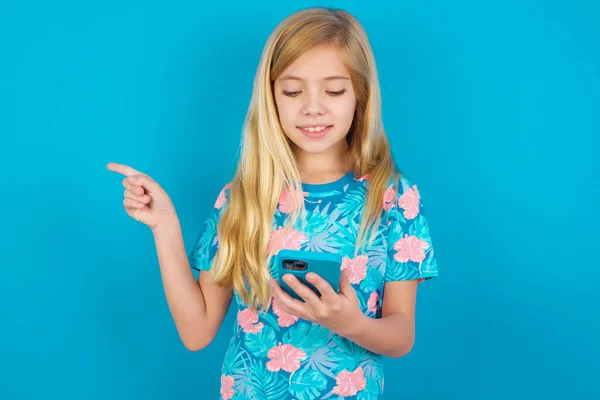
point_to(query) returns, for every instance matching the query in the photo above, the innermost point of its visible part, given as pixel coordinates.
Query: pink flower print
(247, 319)
(389, 196)
(357, 267)
(410, 248)
(282, 239)
(286, 200)
(221, 199)
(226, 387)
(285, 357)
(350, 383)
(364, 177)
(409, 201)
(373, 302)
(284, 319)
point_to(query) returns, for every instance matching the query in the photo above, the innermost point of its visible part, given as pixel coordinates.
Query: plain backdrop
(491, 107)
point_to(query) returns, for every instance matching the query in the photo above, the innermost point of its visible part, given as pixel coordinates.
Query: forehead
(322, 63)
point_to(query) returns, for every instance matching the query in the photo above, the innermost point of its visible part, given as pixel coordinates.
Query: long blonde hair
(267, 164)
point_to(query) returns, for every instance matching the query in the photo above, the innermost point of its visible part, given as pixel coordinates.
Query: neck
(323, 167)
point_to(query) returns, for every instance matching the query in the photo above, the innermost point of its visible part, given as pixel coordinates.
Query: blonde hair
(267, 163)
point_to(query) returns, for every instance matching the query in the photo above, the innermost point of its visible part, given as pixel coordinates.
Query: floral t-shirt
(274, 355)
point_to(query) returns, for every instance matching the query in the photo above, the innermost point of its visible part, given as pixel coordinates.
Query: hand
(339, 312)
(145, 200)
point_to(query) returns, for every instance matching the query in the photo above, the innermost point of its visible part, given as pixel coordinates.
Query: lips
(315, 133)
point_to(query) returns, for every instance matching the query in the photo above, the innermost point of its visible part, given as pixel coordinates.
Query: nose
(313, 104)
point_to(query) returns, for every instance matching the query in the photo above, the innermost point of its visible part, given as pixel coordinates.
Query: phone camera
(295, 265)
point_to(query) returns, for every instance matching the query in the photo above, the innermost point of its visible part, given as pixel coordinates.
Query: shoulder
(402, 196)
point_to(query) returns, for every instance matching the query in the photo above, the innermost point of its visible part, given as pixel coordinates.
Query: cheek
(344, 112)
(286, 112)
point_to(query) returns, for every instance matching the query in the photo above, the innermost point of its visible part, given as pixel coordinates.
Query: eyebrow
(296, 78)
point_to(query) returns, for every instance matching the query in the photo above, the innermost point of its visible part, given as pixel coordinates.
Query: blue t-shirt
(274, 355)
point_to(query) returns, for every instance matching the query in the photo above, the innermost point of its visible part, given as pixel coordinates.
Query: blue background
(492, 108)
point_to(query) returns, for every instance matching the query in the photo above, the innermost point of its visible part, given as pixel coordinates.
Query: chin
(314, 148)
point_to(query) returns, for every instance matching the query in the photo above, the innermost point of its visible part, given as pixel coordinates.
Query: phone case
(326, 265)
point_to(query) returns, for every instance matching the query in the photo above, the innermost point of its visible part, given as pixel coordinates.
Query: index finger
(321, 284)
(122, 169)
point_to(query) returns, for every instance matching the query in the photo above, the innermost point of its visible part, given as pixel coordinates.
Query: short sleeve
(205, 247)
(410, 248)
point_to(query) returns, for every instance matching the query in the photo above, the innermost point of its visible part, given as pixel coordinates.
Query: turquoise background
(491, 107)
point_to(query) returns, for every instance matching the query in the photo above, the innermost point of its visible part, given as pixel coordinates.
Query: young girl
(316, 174)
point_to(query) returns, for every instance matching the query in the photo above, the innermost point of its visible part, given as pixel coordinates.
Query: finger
(144, 181)
(122, 169)
(129, 203)
(322, 285)
(135, 189)
(287, 302)
(302, 290)
(141, 199)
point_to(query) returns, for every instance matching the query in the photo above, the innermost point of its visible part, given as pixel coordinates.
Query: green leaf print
(264, 384)
(307, 384)
(372, 281)
(235, 357)
(307, 337)
(346, 234)
(370, 392)
(316, 222)
(394, 234)
(354, 202)
(430, 262)
(420, 229)
(260, 343)
(271, 320)
(347, 354)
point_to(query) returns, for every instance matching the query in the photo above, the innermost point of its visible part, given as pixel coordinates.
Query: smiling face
(316, 102)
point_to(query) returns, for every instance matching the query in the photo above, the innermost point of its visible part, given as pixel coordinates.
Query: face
(316, 101)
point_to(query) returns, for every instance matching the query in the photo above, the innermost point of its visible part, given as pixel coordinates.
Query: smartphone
(299, 263)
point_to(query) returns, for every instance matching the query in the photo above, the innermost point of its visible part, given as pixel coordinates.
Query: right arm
(198, 307)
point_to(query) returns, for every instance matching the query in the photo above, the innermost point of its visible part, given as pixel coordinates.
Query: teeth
(315, 129)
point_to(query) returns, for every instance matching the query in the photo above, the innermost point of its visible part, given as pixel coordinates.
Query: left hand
(339, 312)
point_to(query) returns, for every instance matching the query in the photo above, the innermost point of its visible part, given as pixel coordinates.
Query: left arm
(392, 335)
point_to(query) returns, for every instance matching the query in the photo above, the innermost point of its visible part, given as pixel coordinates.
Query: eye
(296, 93)
(290, 94)
(338, 93)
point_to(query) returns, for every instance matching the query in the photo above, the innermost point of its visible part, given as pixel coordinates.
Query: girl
(315, 174)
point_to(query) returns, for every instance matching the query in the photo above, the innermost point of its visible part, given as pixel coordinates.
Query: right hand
(145, 201)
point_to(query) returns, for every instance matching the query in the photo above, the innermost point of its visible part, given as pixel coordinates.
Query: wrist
(167, 226)
(356, 326)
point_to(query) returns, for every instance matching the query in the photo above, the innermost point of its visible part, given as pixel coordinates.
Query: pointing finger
(122, 169)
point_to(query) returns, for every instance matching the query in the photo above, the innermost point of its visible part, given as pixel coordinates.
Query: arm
(393, 334)
(198, 307)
